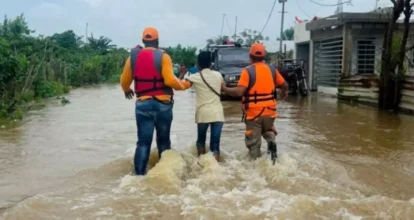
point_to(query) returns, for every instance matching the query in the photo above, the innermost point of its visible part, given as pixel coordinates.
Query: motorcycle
(295, 75)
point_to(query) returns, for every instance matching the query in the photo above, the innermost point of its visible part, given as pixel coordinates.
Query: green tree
(180, 54)
(40, 67)
(68, 40)
(247, 37)
(218, 40)
(102, 43)
(288, 34)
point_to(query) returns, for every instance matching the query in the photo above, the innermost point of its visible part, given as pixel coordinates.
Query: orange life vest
(261, 91)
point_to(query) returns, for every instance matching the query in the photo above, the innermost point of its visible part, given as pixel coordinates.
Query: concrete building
(347, 45)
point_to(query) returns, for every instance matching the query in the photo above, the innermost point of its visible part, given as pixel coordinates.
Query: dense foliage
(34, 67)
(182, 55)
(246, 37)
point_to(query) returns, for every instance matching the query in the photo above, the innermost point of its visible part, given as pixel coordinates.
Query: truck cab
(229, 60)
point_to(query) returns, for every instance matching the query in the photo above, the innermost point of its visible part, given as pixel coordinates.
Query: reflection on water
(336, 162)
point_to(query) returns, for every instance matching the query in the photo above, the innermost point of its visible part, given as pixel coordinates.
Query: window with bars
(366, 56)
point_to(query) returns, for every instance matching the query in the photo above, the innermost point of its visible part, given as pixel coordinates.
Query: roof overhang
(382, 16)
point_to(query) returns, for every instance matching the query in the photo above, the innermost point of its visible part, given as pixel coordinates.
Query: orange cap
(257, 50)
(150, 34)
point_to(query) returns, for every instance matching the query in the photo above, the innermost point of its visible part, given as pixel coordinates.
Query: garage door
(328, 62)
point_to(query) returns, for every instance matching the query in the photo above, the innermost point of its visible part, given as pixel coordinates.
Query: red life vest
(146, 68)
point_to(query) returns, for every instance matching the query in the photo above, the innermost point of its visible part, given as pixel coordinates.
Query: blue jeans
(215, 135)
(151, 114)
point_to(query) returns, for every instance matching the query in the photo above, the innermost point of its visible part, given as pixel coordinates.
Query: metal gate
(327, 62)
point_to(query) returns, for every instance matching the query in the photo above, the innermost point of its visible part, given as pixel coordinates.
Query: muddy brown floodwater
(336, 162)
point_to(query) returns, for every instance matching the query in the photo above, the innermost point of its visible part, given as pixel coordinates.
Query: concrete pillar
(311, 63)
(346, 50)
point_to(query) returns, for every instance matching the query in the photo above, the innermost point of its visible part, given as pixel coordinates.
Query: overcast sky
(188, 22)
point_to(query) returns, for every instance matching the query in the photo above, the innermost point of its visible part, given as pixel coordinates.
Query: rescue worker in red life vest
(151, 70)
(257, 86)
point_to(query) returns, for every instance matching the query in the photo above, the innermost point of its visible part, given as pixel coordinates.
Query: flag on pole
(298, 20)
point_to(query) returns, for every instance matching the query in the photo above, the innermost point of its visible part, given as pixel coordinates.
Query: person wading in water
(209, 110)
(257, 86)
(151, 69)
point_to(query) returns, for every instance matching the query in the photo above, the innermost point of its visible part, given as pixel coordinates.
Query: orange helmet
(257, 50)
(150, 34)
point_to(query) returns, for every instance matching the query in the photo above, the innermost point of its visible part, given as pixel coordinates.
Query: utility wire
(301, 9)
(328, 5)
(268, 18)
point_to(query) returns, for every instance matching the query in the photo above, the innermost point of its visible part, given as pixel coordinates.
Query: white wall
(301, 34)
(272, 46)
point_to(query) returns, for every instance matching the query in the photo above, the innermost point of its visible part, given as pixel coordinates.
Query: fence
(364, 88)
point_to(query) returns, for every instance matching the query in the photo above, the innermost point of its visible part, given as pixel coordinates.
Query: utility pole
(86, 33)
(340, 7)
(281, 25)
(376, 4)
(222, 25)
(235, 30)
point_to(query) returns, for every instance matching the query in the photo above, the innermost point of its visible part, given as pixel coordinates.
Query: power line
(268, 18)
(330, 5)
(301, 9)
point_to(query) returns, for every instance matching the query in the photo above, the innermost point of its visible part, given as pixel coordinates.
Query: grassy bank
(33, 68)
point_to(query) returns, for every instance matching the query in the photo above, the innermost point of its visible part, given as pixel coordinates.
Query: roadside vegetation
(36, 67)
(33, 68)
(395, 46)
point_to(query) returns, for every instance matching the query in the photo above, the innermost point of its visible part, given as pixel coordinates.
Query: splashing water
(320, 173)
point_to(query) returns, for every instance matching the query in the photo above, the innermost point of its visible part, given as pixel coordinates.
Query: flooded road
(336, 162)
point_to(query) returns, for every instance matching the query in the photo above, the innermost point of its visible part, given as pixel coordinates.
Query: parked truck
(229, 60)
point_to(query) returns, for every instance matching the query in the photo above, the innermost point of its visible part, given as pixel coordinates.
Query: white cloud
(94, 3)
(189, 22)
(46, 9)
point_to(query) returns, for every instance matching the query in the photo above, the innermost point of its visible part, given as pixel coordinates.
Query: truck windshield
(233, 56)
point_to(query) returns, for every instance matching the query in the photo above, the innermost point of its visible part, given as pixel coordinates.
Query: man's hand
(284, 89)
(283, 95)
(130, 94)
(181, 75)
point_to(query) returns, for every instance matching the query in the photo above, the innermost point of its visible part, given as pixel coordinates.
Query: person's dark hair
(256, 59)
(204, 60)
(152, 43)
(192, 64)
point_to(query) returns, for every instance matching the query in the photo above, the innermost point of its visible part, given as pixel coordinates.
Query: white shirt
(208, 104)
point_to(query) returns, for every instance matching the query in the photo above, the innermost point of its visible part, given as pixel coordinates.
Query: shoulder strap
(158, 59)
(133, 58)
(273, 71)
(208, 85)
(251, 70)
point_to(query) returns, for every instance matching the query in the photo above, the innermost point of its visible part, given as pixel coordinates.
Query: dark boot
(217, 156)
(201, 151)
(272, 149)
